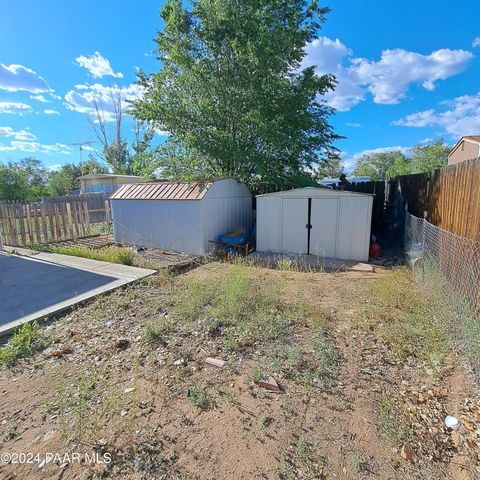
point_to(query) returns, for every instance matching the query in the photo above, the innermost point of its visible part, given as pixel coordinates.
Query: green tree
(14, 183)
(382, 165)
(61, 183)
(65, 180)
(426, 158)
(25, 180)
(232, 92)
(116, 152)
(330, 168)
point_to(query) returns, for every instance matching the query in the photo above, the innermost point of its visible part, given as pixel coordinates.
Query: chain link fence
(448, 268)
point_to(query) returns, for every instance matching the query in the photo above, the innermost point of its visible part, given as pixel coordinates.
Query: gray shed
(315, 221)
(180, 216)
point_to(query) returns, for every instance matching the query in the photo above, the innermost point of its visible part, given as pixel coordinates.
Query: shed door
(323, 235)
(294, 225)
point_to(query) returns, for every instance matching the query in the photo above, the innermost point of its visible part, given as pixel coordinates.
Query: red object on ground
(375, 250)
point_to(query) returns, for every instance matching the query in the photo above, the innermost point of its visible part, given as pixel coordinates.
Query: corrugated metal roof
(313, 191)
(162, 191)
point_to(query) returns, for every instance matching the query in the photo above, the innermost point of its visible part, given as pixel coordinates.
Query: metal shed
(317, 221)
(180, 216)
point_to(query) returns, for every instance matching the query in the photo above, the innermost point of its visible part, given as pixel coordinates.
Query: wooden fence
(448, 197)
(33, 224)
(95, 201)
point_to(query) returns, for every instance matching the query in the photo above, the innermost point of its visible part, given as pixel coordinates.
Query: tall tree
(63, 181)
(25, 180)
(382, 165)
(426, 158)
(332, 167)
(14, 183)
(232, 92)
(122, 158)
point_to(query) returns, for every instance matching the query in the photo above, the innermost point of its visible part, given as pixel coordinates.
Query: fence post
(423, 246)
(107, 212)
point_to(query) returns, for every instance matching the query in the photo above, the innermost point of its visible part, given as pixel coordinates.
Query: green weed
(112, 254)
(247, 308)
(199, 397)
(389, 423)
(406, 317)
(25, 341)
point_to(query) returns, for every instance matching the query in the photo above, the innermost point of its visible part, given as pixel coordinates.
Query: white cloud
(460, 116)
(387, 79)
(21, 135)
(97, 65)
(328, 56)
(14, 107)
(353, 125)
(39, 98)
(16, 78)
(82, 99)
(476, 42)
(51, 111)
(349, 161)
(35, 147)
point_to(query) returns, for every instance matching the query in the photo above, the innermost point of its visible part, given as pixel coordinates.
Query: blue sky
(408, 71)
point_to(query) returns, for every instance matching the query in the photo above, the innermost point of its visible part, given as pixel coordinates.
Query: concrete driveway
(34, 287)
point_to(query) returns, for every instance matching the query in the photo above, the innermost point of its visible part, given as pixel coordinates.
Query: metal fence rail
(448, 267)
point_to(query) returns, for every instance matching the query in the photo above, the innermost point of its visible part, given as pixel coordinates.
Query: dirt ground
(111, 387)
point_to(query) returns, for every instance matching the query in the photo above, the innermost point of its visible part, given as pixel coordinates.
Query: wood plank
(19, 215)
(70, 221)
(37, 224)
(7, 234)
(87, 218)
(14, 225)
(81, 219)
(58, 227)
(107, 211)
(28, 221)
(51, 223)
(75, 219)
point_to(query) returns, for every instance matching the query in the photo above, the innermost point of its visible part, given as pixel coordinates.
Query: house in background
(106, 182)
(467, 148)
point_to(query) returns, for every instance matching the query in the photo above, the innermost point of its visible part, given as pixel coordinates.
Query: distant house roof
(335, 180)
(109, 175)
(468, 138)
(162, 191)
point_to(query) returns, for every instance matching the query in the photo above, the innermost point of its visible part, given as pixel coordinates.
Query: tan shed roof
(473, 138)
(162, 191)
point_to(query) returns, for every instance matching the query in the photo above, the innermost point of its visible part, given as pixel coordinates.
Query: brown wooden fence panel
(448, 197)
(415, 189)
(34, 224)
(95, 202)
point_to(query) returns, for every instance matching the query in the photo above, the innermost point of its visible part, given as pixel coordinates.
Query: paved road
(33, 287)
